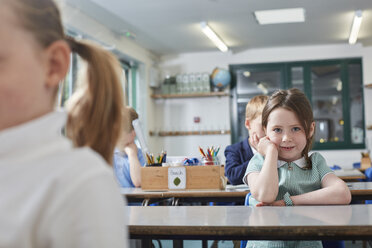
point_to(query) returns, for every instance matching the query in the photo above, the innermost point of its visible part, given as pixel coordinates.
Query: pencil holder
(209, 161)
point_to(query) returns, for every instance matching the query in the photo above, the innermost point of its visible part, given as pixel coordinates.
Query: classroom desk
(359, 191)
(346, 222)
(230, 194)
(350, 175)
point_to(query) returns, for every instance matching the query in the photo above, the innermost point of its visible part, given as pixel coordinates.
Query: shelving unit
(186, 133)
(191, 95)
(184, 121)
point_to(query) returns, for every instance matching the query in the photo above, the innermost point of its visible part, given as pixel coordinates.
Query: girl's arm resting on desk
(134, 164)
(264, 185)
(333, 191)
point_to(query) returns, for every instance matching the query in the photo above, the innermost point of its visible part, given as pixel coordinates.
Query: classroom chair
(333, 244)
(368, 174)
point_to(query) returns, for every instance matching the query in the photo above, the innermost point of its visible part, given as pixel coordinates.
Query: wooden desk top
(146, 197)
(245, 222)
(359, 191)
(349, 175)
(360, 188)
(141, 194)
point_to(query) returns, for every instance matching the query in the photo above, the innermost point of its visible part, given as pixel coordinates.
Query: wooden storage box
(197, 177)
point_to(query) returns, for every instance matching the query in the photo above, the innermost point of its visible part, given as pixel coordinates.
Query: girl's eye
(296, 129)
(277, 130)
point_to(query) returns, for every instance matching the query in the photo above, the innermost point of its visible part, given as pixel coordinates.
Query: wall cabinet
(333, 87)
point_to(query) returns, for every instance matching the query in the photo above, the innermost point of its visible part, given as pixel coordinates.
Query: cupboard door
(251, 82)
(327, 103)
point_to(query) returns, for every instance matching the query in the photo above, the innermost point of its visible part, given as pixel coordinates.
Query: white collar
(301, 162)
(27, 135)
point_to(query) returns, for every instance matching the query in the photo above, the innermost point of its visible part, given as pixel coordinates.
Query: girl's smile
(286, 148)
(286, 132)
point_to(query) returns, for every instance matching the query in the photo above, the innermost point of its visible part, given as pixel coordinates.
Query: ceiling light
(355, 28)
(213, 37)
(276, 16)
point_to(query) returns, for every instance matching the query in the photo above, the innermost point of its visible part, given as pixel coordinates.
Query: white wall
(199, 62)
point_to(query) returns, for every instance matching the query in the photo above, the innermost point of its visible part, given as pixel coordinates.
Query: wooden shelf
(186, 133)
(368, 86)
(369, 127)
(191, 95)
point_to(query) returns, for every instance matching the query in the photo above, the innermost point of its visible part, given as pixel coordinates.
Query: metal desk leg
(204, 243)
(177, 243)
(145, 202)
(175, 201)
(146, 243)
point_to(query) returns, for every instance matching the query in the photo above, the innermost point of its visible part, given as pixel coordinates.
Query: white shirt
(54, 195)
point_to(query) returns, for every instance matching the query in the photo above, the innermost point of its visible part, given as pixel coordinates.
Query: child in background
(285, 174)
(239, 154)
(128, 159)
(54, 192)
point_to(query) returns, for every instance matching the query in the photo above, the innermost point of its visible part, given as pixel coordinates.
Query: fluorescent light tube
(355, 28)
(276, 16)
(213, 37)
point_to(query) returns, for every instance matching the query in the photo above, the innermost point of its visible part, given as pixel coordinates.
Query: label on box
(177, 177)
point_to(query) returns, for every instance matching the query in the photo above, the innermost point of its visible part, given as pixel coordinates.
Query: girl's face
(28, 73)
(21, 72)
(128, 138)
(285, 131)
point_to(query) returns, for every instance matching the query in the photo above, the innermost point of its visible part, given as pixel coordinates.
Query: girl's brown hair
(95, 109)
(132, 115)
(293, 100)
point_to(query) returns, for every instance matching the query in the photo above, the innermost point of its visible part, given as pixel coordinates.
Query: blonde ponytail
(95, 109)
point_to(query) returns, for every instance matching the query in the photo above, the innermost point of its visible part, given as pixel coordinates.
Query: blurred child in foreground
(56, 191)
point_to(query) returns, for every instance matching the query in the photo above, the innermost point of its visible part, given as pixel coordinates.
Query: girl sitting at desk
(128, 158)
(285, 174)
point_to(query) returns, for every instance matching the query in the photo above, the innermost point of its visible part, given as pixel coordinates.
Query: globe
(220, 78)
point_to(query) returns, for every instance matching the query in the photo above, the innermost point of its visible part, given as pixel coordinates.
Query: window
(333, 87)
(67, 87)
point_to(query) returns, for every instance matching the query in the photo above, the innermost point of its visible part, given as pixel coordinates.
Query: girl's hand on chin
(264, 145)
